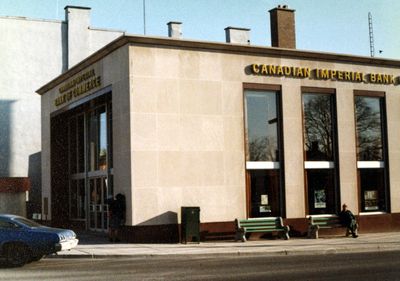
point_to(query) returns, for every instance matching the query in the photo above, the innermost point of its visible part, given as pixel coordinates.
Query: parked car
(23, 240)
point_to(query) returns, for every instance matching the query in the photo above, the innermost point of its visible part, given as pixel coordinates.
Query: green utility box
(190, 226)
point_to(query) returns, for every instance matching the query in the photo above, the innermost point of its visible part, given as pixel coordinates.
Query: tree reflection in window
(262, 130)
(369, 128)
(318, 128)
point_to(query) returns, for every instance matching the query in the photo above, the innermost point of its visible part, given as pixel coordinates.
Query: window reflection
(92, 143)
(372, 183)
(81, 142)
(262, 131)
(318, 128)
(103, 141)
(262, 146)
(98, 140)
(321, 186)
(73, 145)
(369, 129)
(370, 117)
(264, 193)
(319, 150)
(77, 199)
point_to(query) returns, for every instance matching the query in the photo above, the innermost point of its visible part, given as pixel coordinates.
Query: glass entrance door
(98, 207)
(90, 162)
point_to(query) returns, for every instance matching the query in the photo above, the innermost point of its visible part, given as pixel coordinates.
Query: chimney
(237, 35)
(175, 29)
(78, 22)
(283, 31)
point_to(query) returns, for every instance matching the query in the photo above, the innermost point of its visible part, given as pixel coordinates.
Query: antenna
(57, 10)
(144, 17)
(371, 35)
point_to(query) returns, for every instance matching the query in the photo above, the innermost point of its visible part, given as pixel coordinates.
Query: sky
(335, 26)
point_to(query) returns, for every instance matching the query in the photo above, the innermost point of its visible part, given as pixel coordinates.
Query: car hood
(63, 233)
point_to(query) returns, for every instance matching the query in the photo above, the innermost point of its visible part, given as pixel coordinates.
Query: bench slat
(325, 222)
(262, 227)
(325, 219)
(261, 224)
(272, 224)
(322, 222)
(263, 230)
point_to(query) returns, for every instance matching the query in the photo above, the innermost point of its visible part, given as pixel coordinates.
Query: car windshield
(27, 222)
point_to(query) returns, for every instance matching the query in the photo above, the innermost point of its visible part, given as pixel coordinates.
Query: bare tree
(318, 128)
(369, 130)
(263, 149)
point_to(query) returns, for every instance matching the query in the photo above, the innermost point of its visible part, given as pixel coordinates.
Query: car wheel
(17, 255)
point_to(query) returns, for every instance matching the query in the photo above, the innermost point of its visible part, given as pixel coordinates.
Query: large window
(320, 147)
(89, 147)
(263, 156)
(98, 139)
(371, 151)
(77, 199)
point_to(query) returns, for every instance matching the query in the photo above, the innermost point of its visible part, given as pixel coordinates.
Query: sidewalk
(92, 246)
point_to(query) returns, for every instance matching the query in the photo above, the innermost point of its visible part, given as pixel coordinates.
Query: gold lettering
(256, 68)
(272, 69)
(279, 71)
(306, 72)
(386, 79)
(77, 80)
(324, 74)
(340, 75)
(347, 76)
(372, 78)
(359, 77)
(287, 71)
(264, 69)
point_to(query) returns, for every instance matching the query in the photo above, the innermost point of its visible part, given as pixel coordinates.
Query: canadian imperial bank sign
(323, 74)
(78, 86)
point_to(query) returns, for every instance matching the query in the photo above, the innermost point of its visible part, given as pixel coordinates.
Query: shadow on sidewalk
(92, 238)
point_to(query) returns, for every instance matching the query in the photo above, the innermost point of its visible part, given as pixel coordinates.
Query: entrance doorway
(98, 207)
(82, 171)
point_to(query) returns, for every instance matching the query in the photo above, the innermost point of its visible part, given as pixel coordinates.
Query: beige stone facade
(179, 125)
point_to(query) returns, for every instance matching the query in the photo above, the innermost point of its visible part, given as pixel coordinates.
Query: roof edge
(214, 46)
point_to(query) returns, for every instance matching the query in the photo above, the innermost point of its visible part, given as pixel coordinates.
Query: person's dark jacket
(346, 217)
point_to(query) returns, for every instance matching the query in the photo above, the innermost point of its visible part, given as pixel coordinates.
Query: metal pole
(57, 10)
(144, 17)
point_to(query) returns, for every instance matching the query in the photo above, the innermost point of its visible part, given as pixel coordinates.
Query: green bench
(267, 224)
(317, 222)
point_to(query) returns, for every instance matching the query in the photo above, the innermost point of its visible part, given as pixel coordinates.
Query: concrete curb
(285, 252)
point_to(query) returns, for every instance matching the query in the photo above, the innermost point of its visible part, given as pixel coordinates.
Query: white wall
(33, 52)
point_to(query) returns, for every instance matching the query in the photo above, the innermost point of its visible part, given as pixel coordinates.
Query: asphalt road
(365, 266)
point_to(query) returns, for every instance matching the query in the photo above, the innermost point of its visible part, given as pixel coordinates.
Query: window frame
(265, 165)
(86, 110)
(322, 165)
(374, 164)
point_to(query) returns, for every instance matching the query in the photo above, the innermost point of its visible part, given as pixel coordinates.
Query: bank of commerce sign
(323, 74)
(77, 87)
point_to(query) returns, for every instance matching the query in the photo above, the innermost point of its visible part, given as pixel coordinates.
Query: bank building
(234, 129)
